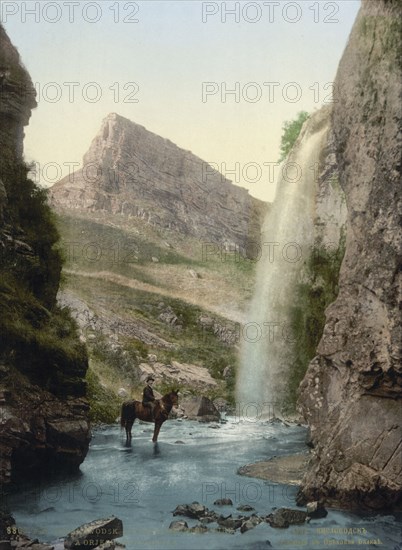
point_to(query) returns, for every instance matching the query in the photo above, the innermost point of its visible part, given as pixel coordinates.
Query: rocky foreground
(278, 518)
(96, 535)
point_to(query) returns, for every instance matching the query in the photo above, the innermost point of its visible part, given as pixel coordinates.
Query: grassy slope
(112, 270)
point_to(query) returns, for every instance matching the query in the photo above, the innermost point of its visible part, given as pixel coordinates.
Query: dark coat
(148, 395)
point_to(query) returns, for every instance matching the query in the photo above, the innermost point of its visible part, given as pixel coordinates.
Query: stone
(197, 510)
(250, 522)
(197, 408)
(169, 317)
(207, 519)
(90, 535)
(230, 522)
(194, 510)
(176, 373)
(122, 392)
(283, 517)
(315, 510)
(223, 502)
(178, 525)
(245, 508)
(221, 404)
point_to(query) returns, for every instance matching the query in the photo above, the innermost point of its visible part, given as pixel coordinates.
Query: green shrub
(308, 311)
(291, 130)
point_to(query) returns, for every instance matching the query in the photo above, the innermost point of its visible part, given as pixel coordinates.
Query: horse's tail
(128, 413)
(123, 415)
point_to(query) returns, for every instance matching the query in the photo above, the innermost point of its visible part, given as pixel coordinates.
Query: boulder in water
(179, 525)
(194, 510)
(245, 508)
(230, 523)
(94, 534)
(315, 510)
(223, 502)
(250, 522)
(283, 517)
(201, 408)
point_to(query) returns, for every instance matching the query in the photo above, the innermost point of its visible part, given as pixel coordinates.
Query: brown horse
(131, 410)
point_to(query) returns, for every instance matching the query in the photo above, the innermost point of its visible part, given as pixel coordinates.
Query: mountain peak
(131, 171)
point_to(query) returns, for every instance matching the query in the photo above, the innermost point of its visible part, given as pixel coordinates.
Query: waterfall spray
(286, 242)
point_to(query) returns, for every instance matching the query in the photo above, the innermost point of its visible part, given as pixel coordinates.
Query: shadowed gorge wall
(43, 415)
(351, 395)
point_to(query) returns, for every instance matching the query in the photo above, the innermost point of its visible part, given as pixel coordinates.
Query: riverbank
(279, 469)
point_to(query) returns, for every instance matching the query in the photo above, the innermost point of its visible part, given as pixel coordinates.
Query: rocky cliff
(351, 395)
(43, 411)
(129, 170)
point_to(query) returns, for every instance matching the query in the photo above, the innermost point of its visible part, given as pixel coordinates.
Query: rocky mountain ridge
(131, 171)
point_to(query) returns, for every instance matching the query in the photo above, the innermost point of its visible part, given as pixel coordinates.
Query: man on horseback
(148, 398)
(130, 410)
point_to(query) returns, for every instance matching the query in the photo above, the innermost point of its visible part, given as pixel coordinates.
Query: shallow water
(143, 483)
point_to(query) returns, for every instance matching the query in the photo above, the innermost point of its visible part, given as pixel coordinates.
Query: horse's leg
(129, 426)
(156, 431)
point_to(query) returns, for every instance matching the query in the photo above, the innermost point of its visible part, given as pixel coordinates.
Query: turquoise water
(142, 485)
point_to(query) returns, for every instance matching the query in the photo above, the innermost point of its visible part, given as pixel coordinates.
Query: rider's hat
(149, 378)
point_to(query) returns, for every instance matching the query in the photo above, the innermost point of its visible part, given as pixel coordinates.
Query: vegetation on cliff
(35, 335)
(313, 294)
(291, 130)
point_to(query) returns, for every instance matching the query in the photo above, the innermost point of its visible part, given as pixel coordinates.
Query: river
(142, 485)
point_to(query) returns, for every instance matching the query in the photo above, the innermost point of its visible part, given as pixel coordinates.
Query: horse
(130, 410)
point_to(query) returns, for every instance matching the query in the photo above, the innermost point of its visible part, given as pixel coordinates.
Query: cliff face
(17, 96)
(43, 411)
(129, 170)
(351, 395)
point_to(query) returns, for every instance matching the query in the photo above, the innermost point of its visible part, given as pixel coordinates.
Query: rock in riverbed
(94, 534)
(283, 517)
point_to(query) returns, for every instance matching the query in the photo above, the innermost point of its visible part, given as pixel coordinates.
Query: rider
(148, 398)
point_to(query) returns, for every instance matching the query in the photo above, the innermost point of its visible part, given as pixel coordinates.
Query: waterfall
(286, 241)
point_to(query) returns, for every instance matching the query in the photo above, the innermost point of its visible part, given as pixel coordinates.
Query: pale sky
(170, 66)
